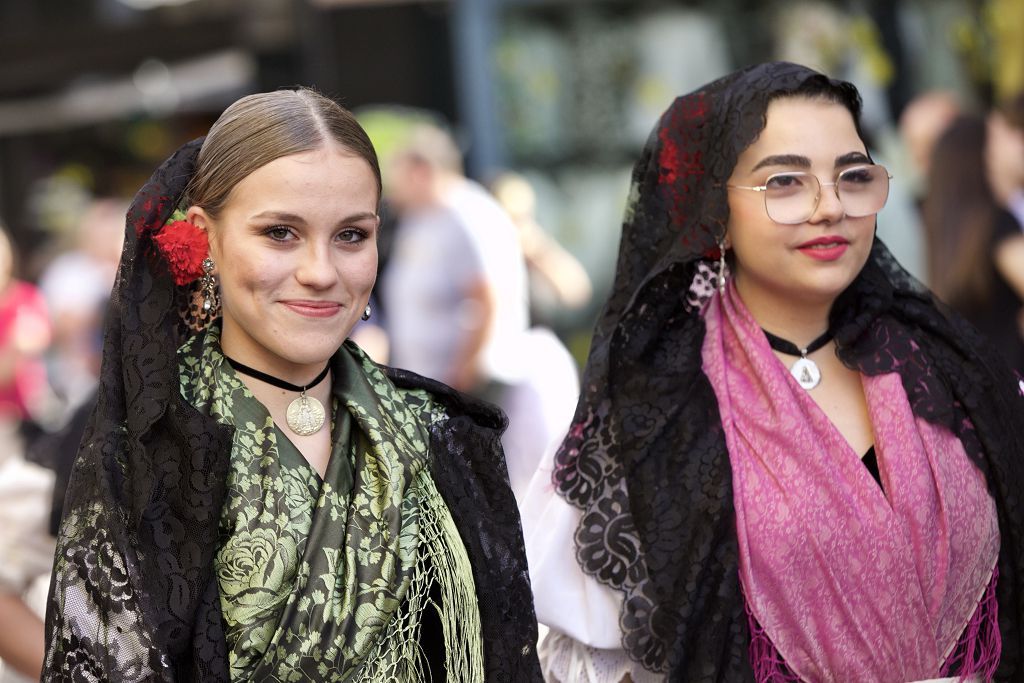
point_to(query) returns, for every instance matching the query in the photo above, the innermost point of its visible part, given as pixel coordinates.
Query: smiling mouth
(314, 309)
(824, 243)
(825, 249)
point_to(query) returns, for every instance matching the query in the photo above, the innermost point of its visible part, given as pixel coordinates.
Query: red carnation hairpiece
(184, 247)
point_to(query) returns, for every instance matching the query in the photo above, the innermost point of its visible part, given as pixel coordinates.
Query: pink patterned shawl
(848, 582)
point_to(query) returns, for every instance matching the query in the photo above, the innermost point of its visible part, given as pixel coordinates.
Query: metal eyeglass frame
(817, 199)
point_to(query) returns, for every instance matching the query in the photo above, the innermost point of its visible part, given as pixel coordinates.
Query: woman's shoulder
(451, 402)
(434, 400)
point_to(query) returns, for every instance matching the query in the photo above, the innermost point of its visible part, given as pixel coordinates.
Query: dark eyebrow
(286, 217)
(852, 158)
(804, 162)
(783, 160)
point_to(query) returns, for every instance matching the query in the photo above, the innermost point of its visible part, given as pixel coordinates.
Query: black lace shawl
(137, 598)
(646, 460)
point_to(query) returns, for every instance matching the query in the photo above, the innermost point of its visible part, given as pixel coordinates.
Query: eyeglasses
(792, 197)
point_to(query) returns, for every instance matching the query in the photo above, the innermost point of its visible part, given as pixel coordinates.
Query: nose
(830, 208)
(316, 269)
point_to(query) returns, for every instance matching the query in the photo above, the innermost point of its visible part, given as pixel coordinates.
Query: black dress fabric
(870, 460)
(141, 599)
(645, 459)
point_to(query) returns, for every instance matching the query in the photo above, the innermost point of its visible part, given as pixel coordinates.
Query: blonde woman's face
(295, 249)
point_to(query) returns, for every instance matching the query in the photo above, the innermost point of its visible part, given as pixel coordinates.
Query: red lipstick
(827, 248)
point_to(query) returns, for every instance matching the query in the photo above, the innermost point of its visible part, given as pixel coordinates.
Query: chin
(309, 354)
(817, 292)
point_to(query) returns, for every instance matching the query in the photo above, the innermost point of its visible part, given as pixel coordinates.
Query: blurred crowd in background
(506, 130)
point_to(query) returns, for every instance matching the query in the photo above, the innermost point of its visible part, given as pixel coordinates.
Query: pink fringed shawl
(849, 583)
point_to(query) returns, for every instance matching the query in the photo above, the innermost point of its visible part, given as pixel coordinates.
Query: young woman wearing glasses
(788, 462)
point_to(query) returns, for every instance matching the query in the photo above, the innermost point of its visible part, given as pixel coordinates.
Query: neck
(277, 399)
(242, 350)
(798, 322)
(444, 184)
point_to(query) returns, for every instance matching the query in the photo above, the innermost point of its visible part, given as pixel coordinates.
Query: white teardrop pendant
(806, 373)
(305, 415)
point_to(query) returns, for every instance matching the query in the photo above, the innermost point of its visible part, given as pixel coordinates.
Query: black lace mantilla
(133, 596)
(645, 459)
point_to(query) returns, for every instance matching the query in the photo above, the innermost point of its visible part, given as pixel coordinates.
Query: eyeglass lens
(793, 197)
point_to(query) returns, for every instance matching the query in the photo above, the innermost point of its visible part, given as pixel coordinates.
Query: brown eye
(785, 183)
(278, 233)
(857, 176)
(352, 235)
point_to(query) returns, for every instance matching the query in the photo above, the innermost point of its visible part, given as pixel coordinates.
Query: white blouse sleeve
(584, 644)
(566, 599)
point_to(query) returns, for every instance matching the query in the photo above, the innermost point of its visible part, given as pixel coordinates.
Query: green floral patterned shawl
(329, 580)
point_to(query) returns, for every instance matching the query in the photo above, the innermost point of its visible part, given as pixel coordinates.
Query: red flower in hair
(184, 247)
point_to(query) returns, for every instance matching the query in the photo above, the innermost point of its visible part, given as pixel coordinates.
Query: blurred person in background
(26, 548)
(788, 461)
(921, 123)
(1004, 154)
(255, 499)
(455, 287)
(25, 334)
(975, 247)
(456, 295)
(557, 281)
(76, 284)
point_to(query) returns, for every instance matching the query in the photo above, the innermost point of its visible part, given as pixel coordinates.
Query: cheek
(746, 213)
(361, 273)
(253, 274)
(752, 235)
(866, 233)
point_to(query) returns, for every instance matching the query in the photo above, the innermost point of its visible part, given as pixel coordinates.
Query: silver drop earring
(721, 266)
(209, 285)
(366, 312)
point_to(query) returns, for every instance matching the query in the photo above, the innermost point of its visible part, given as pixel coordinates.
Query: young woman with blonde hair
(255, 499)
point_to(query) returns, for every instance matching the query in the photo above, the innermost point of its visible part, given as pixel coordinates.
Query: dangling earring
(366, 312)
(721, 266)
(209, 286)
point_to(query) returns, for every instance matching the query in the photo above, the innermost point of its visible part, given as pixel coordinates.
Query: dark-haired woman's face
(813, 261)
(296, 254)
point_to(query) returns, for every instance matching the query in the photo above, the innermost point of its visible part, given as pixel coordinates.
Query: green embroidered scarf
(329, 580)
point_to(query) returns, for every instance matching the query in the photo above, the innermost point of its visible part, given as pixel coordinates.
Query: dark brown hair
(958, 213)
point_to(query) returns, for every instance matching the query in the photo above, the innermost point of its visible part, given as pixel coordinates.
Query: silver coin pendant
(305, 415)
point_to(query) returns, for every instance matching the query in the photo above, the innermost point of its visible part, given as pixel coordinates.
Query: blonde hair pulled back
(260, 128)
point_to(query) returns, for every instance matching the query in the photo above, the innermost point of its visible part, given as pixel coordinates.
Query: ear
(198, 217)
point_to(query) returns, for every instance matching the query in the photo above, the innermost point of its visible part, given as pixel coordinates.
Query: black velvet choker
(279, 383)
(805, 370)
(305, 415)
